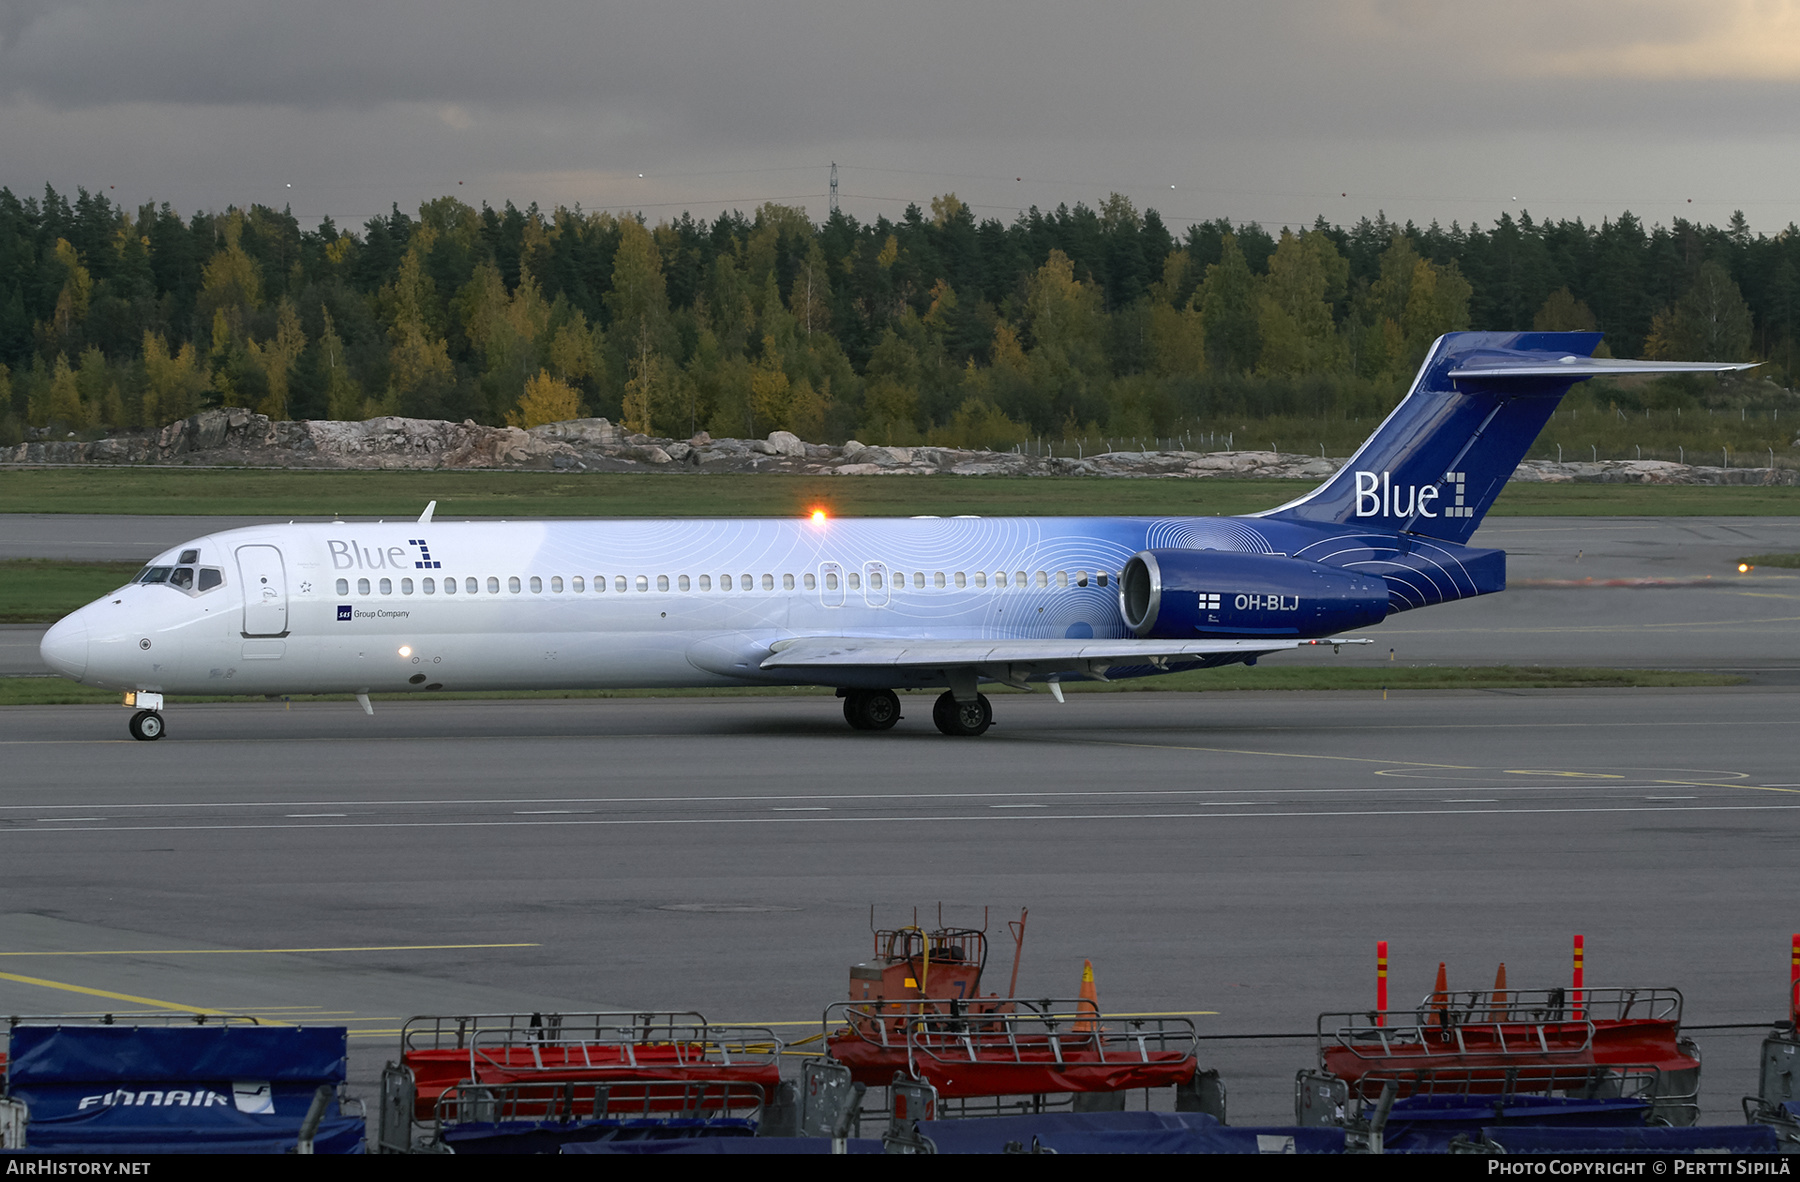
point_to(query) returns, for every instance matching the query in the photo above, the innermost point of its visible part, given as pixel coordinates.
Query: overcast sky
(1275, 111)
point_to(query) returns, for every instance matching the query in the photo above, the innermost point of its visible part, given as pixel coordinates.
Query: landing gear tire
(871, 710)
(146, 726)
(962, 718)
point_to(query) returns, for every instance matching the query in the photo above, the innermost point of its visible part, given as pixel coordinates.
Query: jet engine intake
(1184, 594)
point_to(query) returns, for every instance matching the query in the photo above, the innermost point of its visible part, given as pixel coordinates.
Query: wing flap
(828, 652)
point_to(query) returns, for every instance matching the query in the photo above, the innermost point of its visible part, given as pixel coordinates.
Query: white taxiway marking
(52, 820)
(800, 808)
(929, 818)
(305, 816)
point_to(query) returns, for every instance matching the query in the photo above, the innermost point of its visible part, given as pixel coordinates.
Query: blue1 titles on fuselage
(867, 606)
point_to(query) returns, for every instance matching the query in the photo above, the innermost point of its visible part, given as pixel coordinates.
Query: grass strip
(522, 495)
(55, 691)
(1787, 561)
(39, 590)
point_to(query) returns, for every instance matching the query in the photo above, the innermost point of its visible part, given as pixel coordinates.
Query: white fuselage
(353, 607)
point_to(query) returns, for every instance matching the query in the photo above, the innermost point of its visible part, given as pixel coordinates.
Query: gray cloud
(1258, 109)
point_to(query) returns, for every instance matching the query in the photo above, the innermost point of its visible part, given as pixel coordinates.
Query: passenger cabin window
(556, 584)
(1043, 579)
(1081, 578)
(576, 585)
(981, 578)
(429, 586)
(493, 585)
(343, 586)
(811, 583)
(831, 581)
(937, 580)
(706, 582)
(662, 582)
(787, 582)
(470, 585)
(406, 586)
(643, 582)
(1062, 579)
(1102, 579)
(681, 583)
(724, 582)
(512, 584)
(855, 581)
(619, 583)
(747, 582)
(874, 580)
(387, 586)
(362, 586)
(537, 585)
(449, 586)
(768, 582)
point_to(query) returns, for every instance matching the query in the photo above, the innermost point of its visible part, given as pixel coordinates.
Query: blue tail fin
(1435, 465)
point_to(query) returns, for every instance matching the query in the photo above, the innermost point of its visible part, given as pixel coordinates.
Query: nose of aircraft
(65, 647)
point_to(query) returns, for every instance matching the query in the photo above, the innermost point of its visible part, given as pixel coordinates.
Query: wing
(1012, 660)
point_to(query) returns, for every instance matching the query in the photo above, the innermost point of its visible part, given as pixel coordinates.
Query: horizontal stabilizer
(1588, 367)
(815, 652)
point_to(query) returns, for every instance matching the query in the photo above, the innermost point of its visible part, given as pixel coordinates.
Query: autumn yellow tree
(545, 400)
(343, 393)
(173, 382)
(77, 290)
(276, 357)
(1294, 305)
(419, 362)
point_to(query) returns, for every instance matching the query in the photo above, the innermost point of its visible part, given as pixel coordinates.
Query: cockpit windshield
(194, 580)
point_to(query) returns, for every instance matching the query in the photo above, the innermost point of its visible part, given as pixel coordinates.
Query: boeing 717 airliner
(866, 606)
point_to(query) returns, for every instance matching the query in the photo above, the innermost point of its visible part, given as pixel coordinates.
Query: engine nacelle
(1188, 594)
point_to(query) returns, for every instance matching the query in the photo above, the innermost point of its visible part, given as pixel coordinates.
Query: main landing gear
(146, 725)
(879, 710)
(962, 718)
(871, 710)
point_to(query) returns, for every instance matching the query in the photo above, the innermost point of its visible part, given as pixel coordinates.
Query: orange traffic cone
(1089, 1009)
(1498, 1008)
(1440, 997)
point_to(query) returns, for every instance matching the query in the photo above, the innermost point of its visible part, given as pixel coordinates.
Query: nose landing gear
(146, 725)
(962, 718)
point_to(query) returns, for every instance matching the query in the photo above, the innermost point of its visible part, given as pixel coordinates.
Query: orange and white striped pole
(1575, 997)
(1794, 983)
(1381, 978)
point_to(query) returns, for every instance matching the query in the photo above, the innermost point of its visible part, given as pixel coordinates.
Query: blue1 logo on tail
(1376, 496)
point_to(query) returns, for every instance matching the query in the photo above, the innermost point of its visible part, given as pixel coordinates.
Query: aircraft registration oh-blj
(867, 606)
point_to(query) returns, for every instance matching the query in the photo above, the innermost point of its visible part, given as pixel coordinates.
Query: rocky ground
(233, 437)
